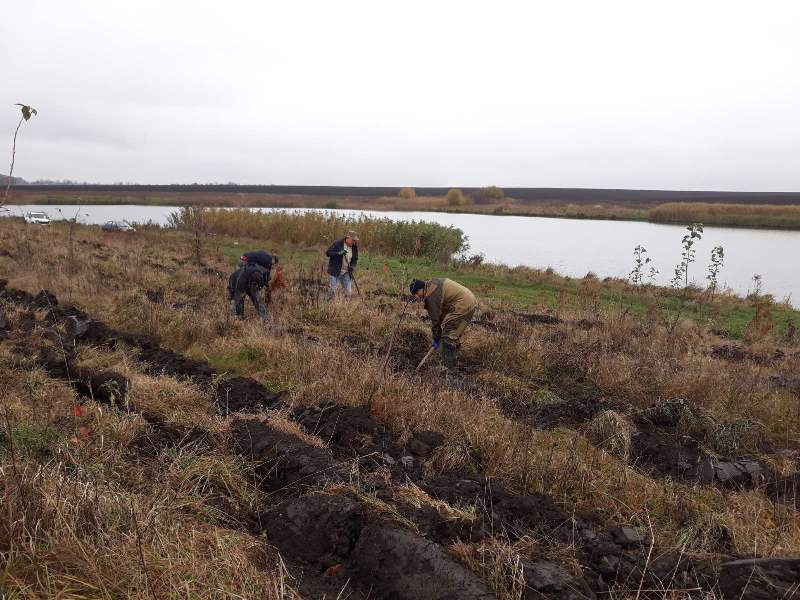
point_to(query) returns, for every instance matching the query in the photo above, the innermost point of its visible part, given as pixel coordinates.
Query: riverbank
(560, 447)
(767, 216)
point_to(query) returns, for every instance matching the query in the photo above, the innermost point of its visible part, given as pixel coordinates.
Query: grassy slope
(634, 357)
(538, 290)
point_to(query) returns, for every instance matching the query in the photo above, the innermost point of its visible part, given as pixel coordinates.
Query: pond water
(571, 247)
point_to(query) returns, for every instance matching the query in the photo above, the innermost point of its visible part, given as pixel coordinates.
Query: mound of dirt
(536, 319)
(106, 387)
(405, 566)
(760, 579)
(423, 443)
(545, 579)
(409, 348)
(320, 530)
(532, 511)
(346, 429)
(683, 457)
(284, 459)
(243, 394)
(737, 353)
(160, 436)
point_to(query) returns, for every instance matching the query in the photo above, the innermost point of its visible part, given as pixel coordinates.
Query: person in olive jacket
(342, 259)
(451, 307)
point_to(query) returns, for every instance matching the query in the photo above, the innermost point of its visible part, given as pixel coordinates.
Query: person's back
(259, 257)
(456, 298)
(451, 307)
(252, 275)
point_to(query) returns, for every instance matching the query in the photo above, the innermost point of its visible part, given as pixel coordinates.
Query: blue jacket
(335, 257)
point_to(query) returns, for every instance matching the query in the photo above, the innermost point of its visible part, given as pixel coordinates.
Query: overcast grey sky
(680, 95)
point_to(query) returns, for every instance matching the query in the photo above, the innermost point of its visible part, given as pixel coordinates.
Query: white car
(39, 218)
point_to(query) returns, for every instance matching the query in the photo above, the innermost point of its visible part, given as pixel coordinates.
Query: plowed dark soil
(344, 546)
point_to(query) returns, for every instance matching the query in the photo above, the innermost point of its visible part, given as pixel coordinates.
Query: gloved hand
(436, 344)
(342, 252)
(349, 270)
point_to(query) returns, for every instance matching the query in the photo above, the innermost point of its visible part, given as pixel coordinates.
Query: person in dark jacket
(342, 259)
(451, 307)
(249, 279)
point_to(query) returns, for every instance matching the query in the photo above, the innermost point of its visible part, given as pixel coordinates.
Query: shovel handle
(425, 358)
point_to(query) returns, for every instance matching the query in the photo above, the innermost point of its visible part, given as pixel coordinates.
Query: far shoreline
(744, 216)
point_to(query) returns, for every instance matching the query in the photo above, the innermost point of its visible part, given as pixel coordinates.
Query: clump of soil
(737, 353)
(536, 319)
(760, 578)
(320, 530)
(244, 394)
(346, 429)
(409, 348)
(160, 436)
(106, 387)
(683, 457)
(284, 459)
(403, 565)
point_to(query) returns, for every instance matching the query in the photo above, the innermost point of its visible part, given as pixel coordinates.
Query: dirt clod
(405, 566)
(321, 530)
(243, 394)
(284, 458)
(760, 579)
(545, 579)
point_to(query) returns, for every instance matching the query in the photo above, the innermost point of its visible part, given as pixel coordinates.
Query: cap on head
(353, 235)
(416, 286)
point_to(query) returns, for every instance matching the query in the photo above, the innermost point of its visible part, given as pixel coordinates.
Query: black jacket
(250, 276)
(259, 257)
(335, 259)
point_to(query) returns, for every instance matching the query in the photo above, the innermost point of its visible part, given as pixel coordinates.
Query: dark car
(122, 226)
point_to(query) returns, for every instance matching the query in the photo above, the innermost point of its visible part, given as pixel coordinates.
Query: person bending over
(249, 279)
(451, 307)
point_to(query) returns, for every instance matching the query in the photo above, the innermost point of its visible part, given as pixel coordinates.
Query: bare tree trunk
(13, 156)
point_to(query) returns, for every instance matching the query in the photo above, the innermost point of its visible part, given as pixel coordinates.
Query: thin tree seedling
(27, 112)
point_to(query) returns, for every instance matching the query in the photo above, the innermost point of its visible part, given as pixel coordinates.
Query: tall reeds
(391, 238)
(737, 215)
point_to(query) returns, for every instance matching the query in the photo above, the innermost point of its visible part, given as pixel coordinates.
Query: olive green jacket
(445, 300)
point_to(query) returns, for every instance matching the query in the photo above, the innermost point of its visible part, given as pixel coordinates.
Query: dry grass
(741, 215)
(635, 362)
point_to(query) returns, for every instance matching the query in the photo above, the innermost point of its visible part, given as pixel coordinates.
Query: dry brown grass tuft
(610, 431)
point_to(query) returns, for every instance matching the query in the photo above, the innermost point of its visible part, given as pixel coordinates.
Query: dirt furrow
(347, 544)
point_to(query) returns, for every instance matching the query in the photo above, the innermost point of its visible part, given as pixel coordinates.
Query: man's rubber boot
(449, 355)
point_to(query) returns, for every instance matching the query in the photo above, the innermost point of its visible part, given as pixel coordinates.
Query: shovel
(425, 358)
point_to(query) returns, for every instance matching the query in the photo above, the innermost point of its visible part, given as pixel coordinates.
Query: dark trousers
(246, 281)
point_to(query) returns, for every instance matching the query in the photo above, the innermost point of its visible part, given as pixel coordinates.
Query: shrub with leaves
(693, 235)
(640, 260)
(456, 197)
(717, 259)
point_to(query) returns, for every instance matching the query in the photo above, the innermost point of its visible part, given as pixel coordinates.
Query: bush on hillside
(456, 197)
(407, 193)
(411, 238)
